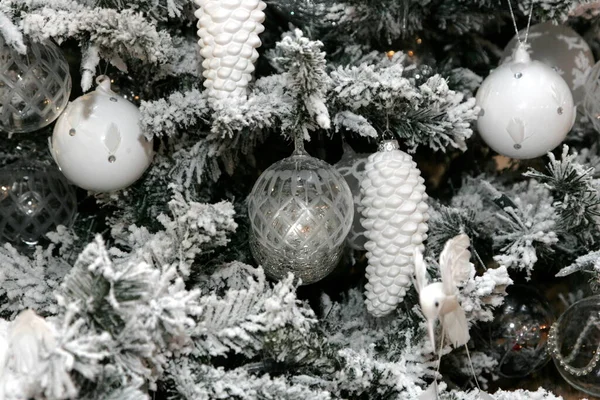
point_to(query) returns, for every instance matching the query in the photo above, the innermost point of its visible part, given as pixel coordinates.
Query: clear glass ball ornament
(591, 101)
(574, 344)
(301, 210)
(519, 332)
(34, 87)
(34, 199)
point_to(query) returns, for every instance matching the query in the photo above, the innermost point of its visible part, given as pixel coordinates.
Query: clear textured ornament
(34, 199)
(352, 168)
(300, 211)
(34, 87)
(519, 332)
(560, 48)
(98, 143)
(526, 108)
(574, 344)
(591, 102)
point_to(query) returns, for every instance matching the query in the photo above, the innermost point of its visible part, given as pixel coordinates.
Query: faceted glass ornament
(34, 87)
(34, 199)
(591, 102)
(352, 168)
(574, 344)
(301, 211)
(519, 332)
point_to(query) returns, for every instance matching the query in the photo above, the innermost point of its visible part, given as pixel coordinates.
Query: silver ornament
(574, 344)
(562, 49)
(519, 332)
(300, 212)
(34, 87)
(34, 199)
(395, 219)
(591, 102)
(352, 168)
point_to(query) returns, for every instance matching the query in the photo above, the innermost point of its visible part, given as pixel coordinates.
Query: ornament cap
(389, 145)
(103, 83)
(521, 55)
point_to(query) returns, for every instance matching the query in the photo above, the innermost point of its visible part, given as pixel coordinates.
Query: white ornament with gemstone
(98, 143)
(395, 220)
(228, 31)
(526, 108)
(562, 49)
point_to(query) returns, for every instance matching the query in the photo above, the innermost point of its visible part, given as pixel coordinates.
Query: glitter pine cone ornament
(526, 108)
(228, 32)
(300, 212)
(34, 87)
(395, 219)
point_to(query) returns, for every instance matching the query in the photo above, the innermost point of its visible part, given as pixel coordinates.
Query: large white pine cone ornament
(395, 219)
(228, 31)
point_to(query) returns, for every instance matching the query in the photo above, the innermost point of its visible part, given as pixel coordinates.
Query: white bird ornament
(440, 299)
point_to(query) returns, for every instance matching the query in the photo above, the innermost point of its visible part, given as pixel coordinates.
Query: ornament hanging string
(514, 20)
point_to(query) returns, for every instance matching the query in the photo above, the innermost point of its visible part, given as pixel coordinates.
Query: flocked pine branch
(190, 229)
(146, 310)
(527, 230)
(116, 36)
(29, 281)
(577, 198)
(242, 319)
(307, 81)
(427, 115)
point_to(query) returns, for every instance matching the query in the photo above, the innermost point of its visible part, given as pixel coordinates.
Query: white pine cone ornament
(228, 31)
(395, 219)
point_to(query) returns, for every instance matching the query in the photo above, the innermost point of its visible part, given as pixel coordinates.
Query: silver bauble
(34, 87)
(34, 199)
(300, 211)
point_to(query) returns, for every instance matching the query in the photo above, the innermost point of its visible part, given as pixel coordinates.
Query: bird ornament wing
(420, 271)
(455, 266)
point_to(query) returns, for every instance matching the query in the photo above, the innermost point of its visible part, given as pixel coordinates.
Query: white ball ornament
(526, 108)
(98, 143)
(561, 48)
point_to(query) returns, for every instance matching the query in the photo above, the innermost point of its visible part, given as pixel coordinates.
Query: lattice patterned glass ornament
(300, 212)
(34, 199)
(352, 168)
(591, 101)
(574, 344)
(34, 87)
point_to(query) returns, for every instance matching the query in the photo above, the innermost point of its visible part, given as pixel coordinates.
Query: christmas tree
(299, 199)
